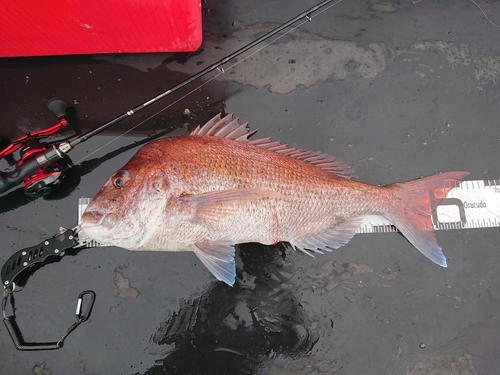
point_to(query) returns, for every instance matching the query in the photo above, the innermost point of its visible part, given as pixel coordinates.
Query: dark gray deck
(398, 90)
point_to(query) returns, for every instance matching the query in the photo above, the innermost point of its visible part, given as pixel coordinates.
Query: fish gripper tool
(17, 269)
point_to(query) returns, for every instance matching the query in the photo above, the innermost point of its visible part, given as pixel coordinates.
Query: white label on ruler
(472, 204)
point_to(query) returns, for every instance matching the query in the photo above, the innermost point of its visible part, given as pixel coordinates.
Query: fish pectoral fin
(211, 206)
(218, 257)
(331, 239)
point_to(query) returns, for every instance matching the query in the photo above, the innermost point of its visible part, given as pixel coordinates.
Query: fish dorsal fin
(229, 127)
(226, 127)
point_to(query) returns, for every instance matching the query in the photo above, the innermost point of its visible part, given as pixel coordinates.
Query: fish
(216, 187)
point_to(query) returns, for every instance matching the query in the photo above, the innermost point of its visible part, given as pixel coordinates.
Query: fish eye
(118, 182)
(120, 179)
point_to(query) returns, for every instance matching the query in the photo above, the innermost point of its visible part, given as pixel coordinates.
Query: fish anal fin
(218, 257)
(412, 215)
(229, 128)
(331, 239)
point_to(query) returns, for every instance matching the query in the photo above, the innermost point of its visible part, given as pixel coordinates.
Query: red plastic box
(67, 27)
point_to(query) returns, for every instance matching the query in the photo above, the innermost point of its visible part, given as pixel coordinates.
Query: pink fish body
(216, 188)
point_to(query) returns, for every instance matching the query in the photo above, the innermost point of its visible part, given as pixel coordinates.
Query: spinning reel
(44, 179)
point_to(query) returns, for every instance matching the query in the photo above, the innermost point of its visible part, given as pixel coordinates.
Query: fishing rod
(39, 168)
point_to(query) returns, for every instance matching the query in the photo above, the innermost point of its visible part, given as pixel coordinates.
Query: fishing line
(484, 14)
(221, 71)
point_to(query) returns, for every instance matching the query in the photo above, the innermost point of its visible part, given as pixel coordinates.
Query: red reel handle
(10, 149)
(56, 106)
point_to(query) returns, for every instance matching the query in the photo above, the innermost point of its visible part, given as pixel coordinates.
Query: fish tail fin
(416, 200)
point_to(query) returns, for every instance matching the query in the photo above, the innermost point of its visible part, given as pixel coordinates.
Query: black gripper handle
(45, 252)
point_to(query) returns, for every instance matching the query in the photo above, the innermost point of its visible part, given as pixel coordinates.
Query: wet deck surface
(397, 90)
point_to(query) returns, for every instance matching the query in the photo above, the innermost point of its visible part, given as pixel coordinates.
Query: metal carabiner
(84, 317)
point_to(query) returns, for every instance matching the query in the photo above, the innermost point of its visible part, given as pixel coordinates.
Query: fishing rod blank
(218, 64)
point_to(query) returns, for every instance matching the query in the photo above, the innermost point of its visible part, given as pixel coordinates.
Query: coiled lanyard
(26, 261)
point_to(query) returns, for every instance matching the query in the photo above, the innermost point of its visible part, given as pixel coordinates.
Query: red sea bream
(216, 188)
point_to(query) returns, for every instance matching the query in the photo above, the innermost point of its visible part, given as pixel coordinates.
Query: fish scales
(310, 209)
(216, 188)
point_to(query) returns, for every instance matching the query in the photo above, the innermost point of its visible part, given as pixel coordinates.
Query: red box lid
(66, 27)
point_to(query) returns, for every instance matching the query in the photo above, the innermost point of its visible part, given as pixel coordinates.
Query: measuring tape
(472, 204)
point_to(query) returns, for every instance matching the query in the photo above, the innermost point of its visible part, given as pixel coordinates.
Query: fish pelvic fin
(229, 128)
(416, 200)
(218, 257)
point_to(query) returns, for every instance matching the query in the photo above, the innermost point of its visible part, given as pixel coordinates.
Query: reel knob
(58, 107)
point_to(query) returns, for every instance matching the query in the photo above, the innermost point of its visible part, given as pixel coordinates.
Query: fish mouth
(93, 220)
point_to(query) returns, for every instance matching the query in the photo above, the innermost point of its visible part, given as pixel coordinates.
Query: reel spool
(44, 181)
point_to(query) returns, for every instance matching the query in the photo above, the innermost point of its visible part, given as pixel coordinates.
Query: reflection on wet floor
(241, 329)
